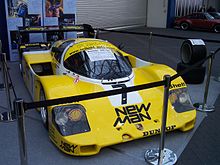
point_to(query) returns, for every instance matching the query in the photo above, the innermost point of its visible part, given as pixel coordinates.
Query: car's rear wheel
(216, 28)
(43, 110)
(184, 26)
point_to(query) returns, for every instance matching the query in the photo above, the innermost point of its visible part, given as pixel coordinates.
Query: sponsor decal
(124, 95)
(76, 80)
(157, 131)
(68, 147)
(177, 85)
(132, 114)
(81, 46)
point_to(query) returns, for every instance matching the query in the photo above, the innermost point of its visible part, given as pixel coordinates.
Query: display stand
(203, 107)
(162, 155)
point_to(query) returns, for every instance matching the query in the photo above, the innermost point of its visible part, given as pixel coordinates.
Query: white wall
(111, 13)
(157, 13)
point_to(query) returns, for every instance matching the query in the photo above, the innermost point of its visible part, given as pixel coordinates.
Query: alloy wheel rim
(184, 26)
(217, 29)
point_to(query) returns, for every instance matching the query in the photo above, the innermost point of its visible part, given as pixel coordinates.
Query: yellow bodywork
(101, 114)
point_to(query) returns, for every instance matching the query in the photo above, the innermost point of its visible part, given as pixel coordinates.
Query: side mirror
(55, 50)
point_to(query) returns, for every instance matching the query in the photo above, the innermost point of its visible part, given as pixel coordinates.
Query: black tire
(194, 76)
(192, 52)
(184, 25)
(43, 110)
(216, 28)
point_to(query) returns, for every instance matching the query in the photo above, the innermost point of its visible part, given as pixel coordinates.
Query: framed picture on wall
(17, 8)
(53, 8)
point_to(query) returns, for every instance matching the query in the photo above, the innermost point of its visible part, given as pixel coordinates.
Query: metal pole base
(152, 156)
(206, 108)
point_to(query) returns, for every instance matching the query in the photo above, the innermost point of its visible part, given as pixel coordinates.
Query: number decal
(124, 95)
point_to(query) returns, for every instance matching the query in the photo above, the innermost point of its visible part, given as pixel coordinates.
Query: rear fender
(136, 62)
(34, 65)
(158, 71)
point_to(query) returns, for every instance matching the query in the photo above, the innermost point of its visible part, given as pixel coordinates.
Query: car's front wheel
(184, 26)
(43, 110)
(216, 28)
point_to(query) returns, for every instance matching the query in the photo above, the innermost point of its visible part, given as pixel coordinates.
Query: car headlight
(180, 100)
(70, 119)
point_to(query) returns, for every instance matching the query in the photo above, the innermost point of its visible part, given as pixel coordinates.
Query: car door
(201, 22)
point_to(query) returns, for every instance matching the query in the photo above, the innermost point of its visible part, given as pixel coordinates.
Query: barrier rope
(213, 53)
(191, 67)
(90, 95)
(122, 31)
(156, 35)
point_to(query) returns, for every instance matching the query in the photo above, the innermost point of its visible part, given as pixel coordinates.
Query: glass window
(201, 16)
(208, 16)
(101, 63)
(193, 16)
(58, 55)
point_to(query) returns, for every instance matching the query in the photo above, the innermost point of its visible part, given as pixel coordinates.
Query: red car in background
(198, 21)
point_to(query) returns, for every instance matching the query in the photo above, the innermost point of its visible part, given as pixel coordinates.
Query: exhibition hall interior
(106, 82)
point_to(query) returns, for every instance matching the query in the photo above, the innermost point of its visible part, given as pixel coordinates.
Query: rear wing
(25, 45)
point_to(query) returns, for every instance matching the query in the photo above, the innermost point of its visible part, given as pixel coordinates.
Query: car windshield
(215, 15)
(99, 63)
(208, 16)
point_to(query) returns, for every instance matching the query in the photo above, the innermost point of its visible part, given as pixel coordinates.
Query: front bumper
(90, 143)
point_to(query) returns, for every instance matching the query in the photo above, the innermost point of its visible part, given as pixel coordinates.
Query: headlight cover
(180, 100)
(70, 119)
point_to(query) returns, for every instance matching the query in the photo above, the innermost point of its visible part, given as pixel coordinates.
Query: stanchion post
(19, 109)
(6, 83)
(162, 155)
(149, 46)
(0, 46)
(164, 118)
(96, 33)
(204, 107)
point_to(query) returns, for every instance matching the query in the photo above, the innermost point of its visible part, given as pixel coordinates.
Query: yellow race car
(85, 65)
